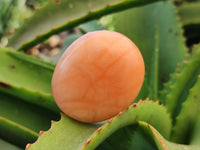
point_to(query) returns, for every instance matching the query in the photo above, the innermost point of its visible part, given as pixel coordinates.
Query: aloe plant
(164, 116)
(6, 12)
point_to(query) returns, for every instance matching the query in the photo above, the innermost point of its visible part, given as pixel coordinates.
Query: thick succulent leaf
(189, 13)
(161, 143)
(187, 118)
(16, 133)
(26, 77)
(139, 25)
(147, 138)
(7, 146)
(195, 137)
(153, 81)
(144, 92)
(21, 120)
(16, 110)
(128, 138)
(65, 134)
(91, 26)
(58, 16)
(70, 134)
(177, 89)
(190, 17)
(141, 111)
(31, 59)
(35, 3)
(6, 14)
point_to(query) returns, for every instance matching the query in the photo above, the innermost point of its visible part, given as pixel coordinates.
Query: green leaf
(147, 138)
(128, 138)
(21, 120)
(35, 3)
(163, 144)
(190, 18)
(7, 146)
(65, 134)
(139, 26)
(31, 59)
(6, 15)
(91, 26)
(176, 91)
(156, 116)
(10, 130)
(57, 16)
(153, 81)
(144, 92)
(26, 77)
(70, 134)
(187, 118)
(189, 13)
(195, 137)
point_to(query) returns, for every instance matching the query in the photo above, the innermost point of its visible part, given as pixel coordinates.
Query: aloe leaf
(91, 26)
(190, 18)
(135, 113)
(57, 16)
(153, 83)
(22, 111)
(31, 59)
(154, 140)
(163, 144)
(195, 137)
(21, 120)
(10, 130)
(25, 77)
(176, 91)
(144, 92)
(7, 146)
(189, 113)
(139, 26)
(189, 13)
(70, 134)
(35, 3)
(128, 138)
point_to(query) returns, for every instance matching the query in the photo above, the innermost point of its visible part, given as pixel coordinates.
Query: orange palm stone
(99, 75)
